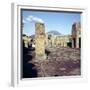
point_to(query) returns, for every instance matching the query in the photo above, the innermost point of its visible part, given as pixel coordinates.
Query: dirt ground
(59, 62)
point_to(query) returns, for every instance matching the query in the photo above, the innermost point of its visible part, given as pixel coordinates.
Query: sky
(54, 21)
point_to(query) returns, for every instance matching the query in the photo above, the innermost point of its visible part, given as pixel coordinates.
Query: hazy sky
(57, 21)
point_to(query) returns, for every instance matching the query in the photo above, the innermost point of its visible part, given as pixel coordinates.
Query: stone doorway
(69, 44)
(74, 42)
(79, 42)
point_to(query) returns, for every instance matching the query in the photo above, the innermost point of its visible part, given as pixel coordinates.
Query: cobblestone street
(59, 62)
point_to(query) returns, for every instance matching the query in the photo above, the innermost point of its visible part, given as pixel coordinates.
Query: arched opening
(79, 42)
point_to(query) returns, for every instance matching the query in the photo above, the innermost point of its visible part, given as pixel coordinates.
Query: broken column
(46, 41)
(72, 43)
(76, 29)
(78, 34)
(53, 40)
(25, 39)
(40, 41)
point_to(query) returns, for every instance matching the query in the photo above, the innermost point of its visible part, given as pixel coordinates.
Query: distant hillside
(49, 33)
(32, 36)
(54, 32)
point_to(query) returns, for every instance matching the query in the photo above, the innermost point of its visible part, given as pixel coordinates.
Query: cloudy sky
(57, 21)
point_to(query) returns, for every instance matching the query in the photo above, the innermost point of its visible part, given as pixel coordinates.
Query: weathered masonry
(40, 41)
(76, 35)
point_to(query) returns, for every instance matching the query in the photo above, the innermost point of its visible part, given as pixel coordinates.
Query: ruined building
(59, 41)
(26, 41)
(63, 41)
(76, 35)
(43, 40)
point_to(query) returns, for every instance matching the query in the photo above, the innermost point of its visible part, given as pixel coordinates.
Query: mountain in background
(32, 36)
(54, 33)
(49, 33)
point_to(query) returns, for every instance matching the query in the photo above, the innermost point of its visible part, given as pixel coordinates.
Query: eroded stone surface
(40, 41)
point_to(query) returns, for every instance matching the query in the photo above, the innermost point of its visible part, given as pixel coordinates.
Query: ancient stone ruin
(46, 55)
(76, 35)
(40, 41)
